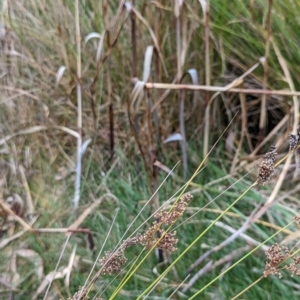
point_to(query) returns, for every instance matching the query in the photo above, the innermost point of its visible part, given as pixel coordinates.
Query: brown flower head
(266, 167)
(294, 267)
(159, 238)
(81, 294)
(112, 262)
(170, 217)
(292, 141)
(275, 255)
(168, 241)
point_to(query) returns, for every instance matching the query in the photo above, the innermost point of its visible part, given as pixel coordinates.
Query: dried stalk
(263, 108)
(79, 109)
(178, 7)
(220, 89)
(207, 77)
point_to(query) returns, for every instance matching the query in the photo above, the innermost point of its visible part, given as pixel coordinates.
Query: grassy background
(38, 159)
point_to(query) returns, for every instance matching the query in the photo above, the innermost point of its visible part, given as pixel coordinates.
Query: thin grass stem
(247, 288)
(79, 110)
(240, 260)
(197, 239)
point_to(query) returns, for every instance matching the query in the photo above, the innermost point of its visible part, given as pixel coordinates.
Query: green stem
(196, 240)
(240, 260)
(247, 288)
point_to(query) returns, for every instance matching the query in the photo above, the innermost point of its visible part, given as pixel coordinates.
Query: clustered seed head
(112, 262)
(159, 238)
(275, 255)
(294, 140)
(130, 242)
(81, 294)
(266, 168)
(170, 217)
(147, 239)
(294, 267)
(155, 236)
(277, 258)
(168, 241)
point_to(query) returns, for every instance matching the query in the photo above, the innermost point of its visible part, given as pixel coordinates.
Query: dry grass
(93, 92)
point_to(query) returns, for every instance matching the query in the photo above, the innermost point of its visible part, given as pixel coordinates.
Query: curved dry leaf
(26, 131)
(204, 6)
(34, 258)
(84, 146)
(100, 47)
(177, 7)
(147, 63)
(6, 241)
(92, 35)
(18, 54)
(156, 44)
(60, 73)
(47, 279)
(68, 130)
(173, 138)
(137, 93)
(96, 35)
(163, 167)
(194, 76)
(68, 269)
(37, 129)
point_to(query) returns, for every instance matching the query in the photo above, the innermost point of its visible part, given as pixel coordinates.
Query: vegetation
(148, 149)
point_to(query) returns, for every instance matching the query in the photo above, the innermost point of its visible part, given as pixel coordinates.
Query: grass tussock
(100, 101)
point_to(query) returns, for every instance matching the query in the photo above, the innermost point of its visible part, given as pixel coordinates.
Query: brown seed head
(275, 255)
(294, 267)
(266, 167)
(112, 262)
(292, 141)
(169, 217)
